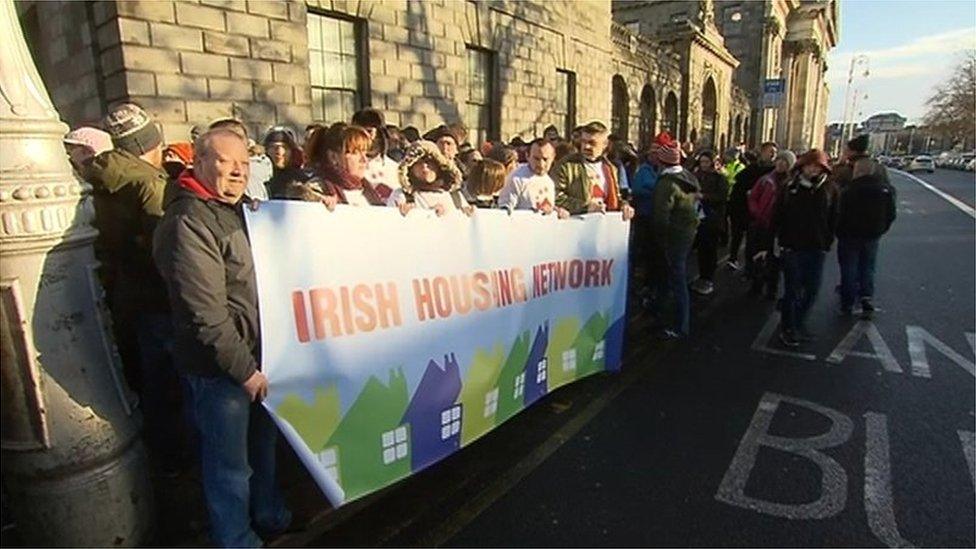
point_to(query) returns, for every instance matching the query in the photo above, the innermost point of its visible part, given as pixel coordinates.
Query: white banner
(392, 341)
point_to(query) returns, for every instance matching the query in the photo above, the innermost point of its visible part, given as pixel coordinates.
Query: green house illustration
(562, 355)
(590, 346)
(511, 380)
(371, 448)
(479, 393)
(314, 422)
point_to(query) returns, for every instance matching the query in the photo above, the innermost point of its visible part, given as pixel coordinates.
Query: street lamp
(858, 60)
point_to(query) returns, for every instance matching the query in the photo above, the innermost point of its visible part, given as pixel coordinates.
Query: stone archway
(709, 122)
(648, 116)
(620, 108)
(670, 122)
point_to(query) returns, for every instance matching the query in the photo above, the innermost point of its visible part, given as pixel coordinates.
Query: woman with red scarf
(338, 159)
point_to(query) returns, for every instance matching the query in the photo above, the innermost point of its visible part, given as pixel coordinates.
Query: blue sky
(912, 46)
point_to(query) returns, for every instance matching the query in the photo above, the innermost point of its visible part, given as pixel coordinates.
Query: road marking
(761, 343)
(948, 198)
(882, 352)
(918, 337)
(878, 500)
(968, 440)
(833, 495)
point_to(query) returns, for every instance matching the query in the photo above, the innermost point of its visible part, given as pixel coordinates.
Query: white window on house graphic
(598, 351)
(491, 402)
(541, 370)
(329, 459)
(519, 386)
(569, 360)
(450, 422)
(395, 445)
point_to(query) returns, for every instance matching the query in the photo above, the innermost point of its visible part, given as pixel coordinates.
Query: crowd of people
(178, 271)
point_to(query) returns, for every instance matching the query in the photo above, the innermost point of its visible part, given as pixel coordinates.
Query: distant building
(769, 39)
(884, 122)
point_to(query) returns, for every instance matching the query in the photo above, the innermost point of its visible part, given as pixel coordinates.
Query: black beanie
(859, 144)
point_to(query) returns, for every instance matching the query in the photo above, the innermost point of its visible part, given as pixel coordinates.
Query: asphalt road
(957, 183)
(729, 441)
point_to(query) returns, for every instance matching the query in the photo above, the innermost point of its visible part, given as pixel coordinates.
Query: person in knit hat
(287, 159)
(803, 222)
(648, 256)
(676, 218)
(762, 204)
(429, 181)
(128, 189)
(84, 144)
(586, 181)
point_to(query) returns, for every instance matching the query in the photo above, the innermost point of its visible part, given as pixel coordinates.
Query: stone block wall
(62, 40)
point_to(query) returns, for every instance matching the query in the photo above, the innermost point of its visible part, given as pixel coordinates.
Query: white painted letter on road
(833, 482)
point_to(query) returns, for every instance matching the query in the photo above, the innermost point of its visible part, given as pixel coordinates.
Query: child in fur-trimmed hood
(430, 181)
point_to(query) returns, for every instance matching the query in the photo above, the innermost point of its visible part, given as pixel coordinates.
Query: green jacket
(731, 170)
(573, 184)
(675, 209)
(128, 196)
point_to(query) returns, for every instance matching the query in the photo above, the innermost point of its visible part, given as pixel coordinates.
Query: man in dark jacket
(204, 255)
(586, 181)
(738, 206)
(128, 185)
(867, 210)
(804, 221)
(856, 151)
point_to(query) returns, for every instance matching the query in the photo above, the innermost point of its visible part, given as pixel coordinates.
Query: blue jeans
(161, 392)
(677, 260)
(237, 446)
(802, 273)
(857, 258)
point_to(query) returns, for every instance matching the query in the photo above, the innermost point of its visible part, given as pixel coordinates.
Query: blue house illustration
(614, 342)
(537, 366)
(434, 417)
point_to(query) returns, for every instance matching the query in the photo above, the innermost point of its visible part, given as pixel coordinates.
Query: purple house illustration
(434, 418)
(614, 343)
(536, 367)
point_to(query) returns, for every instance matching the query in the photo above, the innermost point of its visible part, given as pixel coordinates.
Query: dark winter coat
(675, 215)
(744, 181)
(867, 208)
(128, 194)
(715, 195)
(843, 172)
(204, 255)
(805, 218)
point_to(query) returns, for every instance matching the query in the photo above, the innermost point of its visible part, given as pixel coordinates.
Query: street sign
(773, 91)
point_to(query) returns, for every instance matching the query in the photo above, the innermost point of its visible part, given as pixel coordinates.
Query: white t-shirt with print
(426, 200)
(524, 190)
(594, 170)
(383, 170)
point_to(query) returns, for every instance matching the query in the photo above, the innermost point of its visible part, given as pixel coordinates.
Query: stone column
(73, 464)
(783, 113)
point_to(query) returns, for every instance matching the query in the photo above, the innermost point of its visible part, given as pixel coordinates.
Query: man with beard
(586, 181)
(529, 187)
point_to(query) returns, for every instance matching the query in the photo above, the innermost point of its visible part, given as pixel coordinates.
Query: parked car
(920, 163)
(971, 165)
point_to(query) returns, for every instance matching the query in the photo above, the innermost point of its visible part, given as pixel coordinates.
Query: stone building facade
(504, 67)
(770, 39)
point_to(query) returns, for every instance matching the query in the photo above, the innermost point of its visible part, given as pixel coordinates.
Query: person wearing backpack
(867, 210)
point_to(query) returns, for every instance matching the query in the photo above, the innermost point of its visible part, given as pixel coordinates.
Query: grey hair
(203, 146)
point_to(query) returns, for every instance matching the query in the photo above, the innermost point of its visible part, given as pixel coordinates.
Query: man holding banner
(586, 181)
(203, 253)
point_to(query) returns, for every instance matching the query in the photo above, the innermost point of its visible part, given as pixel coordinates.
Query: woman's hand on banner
(468, 210)
(330, 201)
(405, 208)
(439, 210)
(254, 204)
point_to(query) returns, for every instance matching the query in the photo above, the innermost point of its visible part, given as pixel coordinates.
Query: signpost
(774, 89)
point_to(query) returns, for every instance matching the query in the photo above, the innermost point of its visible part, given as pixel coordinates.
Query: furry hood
(449, 172)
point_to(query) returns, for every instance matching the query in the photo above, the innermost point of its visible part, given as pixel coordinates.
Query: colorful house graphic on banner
(562, 356)
(479, 395)
(435, 419)
(511, 380)
(590, 346)
(372, 443)
(537, 367)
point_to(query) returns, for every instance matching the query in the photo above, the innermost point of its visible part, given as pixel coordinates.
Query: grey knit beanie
(787, 156)
(132, 129)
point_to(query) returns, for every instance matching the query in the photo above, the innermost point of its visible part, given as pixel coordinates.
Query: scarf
(189, 182)
(337, 182)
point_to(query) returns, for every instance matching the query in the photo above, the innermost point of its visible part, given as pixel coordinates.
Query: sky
(911, 45)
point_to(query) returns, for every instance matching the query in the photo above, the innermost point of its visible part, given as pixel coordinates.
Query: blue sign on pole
(774, 89)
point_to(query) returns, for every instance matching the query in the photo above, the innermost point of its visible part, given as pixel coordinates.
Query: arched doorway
(670, 122)
(648, 118)
(620, 108)
(709, 115)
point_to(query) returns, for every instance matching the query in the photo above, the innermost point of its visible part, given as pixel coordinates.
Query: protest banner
(391, 342)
